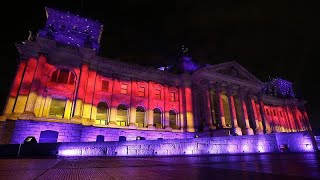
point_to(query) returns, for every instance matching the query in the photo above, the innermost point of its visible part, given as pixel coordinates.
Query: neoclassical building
(63, 85)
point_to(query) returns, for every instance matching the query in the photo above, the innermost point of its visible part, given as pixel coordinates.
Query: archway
(173, 119)
(122, 115)
(102, 113)
(140, 114)
(157, 120)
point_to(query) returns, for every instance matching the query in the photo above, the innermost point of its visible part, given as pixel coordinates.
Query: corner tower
(71, 29)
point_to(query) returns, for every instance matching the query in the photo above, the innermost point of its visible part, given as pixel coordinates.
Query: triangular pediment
(233, 70)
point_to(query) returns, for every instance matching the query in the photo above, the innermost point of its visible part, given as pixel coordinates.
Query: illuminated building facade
(62, 85)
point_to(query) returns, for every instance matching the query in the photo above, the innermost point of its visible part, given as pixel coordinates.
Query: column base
(236, 131)
(209, 127)
(87, 122)
(27, 115)
(112, 124)
(151, 126)
(76, 120)
(168, 128)
(191, 129)
(132, 126)
(247, 131)
(258, 131)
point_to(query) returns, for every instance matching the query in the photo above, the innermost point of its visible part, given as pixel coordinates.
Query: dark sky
(270, 39)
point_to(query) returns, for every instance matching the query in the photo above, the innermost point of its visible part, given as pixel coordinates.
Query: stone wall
(270, 143)
(25, 128)
(78, 133)
(80, 140)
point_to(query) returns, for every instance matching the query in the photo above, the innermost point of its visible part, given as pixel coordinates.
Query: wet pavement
(250, 166)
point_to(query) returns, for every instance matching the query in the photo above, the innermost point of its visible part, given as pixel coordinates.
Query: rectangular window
(105, 85)
(141, 91)
(172, 96)
(157, 94)
(124, 89)
(57, 108)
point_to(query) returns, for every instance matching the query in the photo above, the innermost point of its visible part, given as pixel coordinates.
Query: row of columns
(249, 110)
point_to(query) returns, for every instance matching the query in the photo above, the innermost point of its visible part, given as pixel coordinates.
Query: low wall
(74, 140)
(280, 142)
(20, 129)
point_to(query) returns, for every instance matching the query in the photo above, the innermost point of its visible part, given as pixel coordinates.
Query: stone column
(15, 88)
(296, 119)
(166, 109)
(183, 111)
(150, 107)
(258, 129)
(266, 126)
(248, 130)
(133, 110)
(88, 99)
(235, 128)
(292, 120)
(208, 107)
(113, 111)
(287, 118)
(133, 113)
(305, 115)
(35, 85)
(81, 90)
(25, 86)
(222, 122)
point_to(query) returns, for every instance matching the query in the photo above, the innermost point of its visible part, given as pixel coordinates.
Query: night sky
(270, 39)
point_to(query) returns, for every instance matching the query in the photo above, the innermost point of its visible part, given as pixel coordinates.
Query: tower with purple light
(63, 86)
(72, 30)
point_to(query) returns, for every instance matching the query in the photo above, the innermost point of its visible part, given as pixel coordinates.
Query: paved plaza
(250, 166)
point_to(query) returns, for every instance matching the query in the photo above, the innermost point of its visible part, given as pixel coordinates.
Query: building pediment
(233, 70)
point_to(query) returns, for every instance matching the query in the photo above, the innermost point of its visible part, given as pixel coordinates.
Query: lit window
(173, 119)
(105, 85)
(124, 88)
(57, 108)
(102, 113)
(172, 96)
(63, 76)
(157, 94)
(141, 91)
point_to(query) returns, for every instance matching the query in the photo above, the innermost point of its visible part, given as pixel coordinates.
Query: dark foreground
(250, 166)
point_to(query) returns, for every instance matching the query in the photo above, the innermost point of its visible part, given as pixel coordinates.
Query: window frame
(123, 90)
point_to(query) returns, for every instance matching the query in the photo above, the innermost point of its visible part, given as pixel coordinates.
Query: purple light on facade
(232, 148)
(69, 152)
(307, 145)
(279, 87)
(261, 146)
(71, 29)
(188, 65)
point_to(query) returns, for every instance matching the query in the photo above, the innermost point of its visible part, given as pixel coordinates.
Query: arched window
(122, 115)
(173, 119)
(102, 113)
(140, 113)
(63, 76)
(157, 118)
